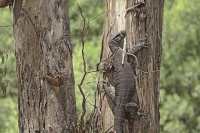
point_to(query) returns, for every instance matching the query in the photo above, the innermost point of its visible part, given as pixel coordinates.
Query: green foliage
(8, 116)
(180, 75)
(7, 59)
(89, 86)
(92, 11)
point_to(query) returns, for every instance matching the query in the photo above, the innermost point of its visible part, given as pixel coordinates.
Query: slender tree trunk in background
(44, 67)
(144, 21)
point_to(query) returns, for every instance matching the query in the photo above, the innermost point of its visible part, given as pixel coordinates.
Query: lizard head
(117, 40)
(119, 37)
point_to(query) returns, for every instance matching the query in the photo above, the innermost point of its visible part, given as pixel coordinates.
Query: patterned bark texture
(44, 67)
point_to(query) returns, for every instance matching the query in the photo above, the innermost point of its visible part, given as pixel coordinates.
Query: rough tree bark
(113, 24)
(44, 67)
(142, 20)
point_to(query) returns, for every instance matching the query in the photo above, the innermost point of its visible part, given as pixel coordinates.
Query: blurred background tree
(8, 90)
(180, 75)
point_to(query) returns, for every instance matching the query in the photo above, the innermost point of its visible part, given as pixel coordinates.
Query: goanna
(123, 78)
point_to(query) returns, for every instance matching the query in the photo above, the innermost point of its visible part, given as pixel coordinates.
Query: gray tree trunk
(142, 19)
(44, 67)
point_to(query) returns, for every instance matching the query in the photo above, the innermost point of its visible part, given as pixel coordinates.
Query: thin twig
(84, 124)
(82, 38)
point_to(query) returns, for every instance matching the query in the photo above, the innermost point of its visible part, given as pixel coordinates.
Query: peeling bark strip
(142, 20)
(44, 67)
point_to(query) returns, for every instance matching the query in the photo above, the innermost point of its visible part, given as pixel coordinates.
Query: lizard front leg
(139, 46)
(131, 54)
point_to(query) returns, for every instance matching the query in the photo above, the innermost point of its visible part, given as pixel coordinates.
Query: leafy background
(180, 74)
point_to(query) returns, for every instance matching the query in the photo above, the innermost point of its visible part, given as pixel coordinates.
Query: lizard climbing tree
(131, 61)
(44, 66)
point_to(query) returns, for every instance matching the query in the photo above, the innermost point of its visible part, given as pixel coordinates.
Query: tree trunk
(142, 20)
(44, 67)
(114, 23)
